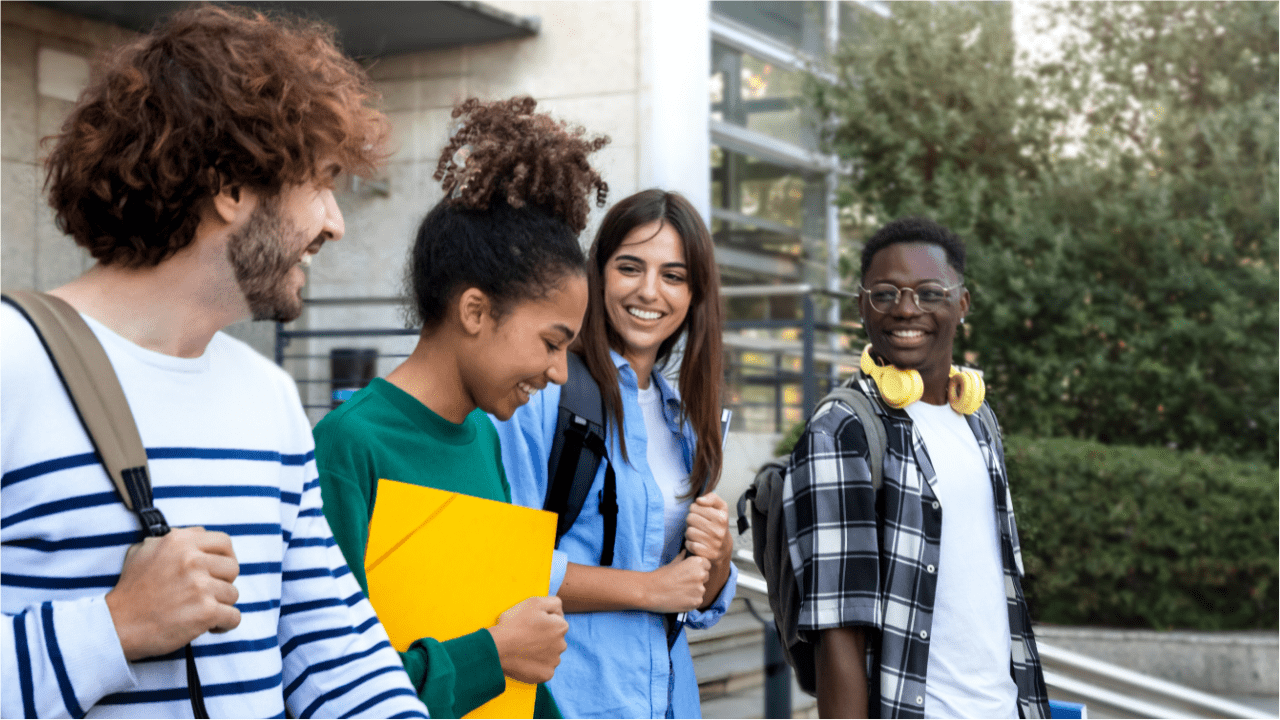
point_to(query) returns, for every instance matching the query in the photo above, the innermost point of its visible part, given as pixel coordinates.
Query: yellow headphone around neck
(899, 388)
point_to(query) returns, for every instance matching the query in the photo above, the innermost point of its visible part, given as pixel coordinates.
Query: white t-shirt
(969, 651)
(664, 458)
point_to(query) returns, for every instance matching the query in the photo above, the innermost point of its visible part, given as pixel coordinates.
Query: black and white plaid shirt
(872, 561)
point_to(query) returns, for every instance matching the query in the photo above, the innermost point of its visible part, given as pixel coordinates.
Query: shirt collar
(670, 395)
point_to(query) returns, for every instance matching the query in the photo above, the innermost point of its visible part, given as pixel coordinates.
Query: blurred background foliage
(1119, 201)
(1145, 537)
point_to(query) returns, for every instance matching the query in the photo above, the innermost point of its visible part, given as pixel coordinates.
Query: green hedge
(1145, 537)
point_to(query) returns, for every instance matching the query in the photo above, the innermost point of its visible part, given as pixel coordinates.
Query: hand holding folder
(442, 564)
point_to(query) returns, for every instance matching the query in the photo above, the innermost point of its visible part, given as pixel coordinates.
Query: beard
(258, 255)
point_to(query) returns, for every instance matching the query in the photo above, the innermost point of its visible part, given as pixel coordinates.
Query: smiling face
(522, 351)
(646, 290)
(278, 240)
(908, 337)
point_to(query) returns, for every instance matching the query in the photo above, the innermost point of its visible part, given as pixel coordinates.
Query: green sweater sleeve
(452, 677)
(458, 675)
(347, 497)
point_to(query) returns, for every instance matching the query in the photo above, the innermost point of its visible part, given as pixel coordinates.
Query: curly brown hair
(214, 97)
(504, 147)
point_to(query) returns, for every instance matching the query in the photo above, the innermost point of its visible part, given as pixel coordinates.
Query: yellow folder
(442, 564)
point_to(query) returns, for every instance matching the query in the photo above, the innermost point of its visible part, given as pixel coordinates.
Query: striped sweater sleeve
(60, 658)
(337, 659)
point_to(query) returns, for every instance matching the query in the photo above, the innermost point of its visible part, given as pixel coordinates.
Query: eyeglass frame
(915, 296)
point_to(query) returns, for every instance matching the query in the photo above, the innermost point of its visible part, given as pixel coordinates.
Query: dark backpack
(763, 501)
(576, 453)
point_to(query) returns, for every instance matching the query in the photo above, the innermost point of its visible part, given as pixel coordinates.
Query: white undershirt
(664, 458)
(969, 651)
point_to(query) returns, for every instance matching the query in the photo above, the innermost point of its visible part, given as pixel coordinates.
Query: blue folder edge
(1063, 709)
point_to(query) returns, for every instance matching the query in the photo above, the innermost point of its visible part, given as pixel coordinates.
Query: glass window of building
(778, 234)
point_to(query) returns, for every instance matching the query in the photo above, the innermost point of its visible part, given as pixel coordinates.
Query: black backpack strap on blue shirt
(576, 453)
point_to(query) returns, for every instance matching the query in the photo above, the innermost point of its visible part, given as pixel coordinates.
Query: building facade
(699, 97)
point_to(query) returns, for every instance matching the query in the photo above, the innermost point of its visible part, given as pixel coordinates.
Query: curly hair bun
(530, 158)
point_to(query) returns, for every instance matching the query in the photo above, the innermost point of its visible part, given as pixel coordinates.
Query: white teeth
(305, 261)
(644, 314)
(907, 333)
(527, 389)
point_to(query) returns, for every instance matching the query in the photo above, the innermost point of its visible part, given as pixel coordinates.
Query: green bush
(1142, 537)
(1145, 537)
(788, 439)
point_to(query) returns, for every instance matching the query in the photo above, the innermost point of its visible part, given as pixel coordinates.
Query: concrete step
(736, 629)
(730, 670)
(729, 661)
(749, 703)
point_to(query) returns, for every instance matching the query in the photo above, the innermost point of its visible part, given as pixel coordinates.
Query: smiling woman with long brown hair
(652, 278)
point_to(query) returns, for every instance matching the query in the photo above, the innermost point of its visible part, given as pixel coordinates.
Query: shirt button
(919, 699)
(924, 634)
(930, 568)
(936, 505)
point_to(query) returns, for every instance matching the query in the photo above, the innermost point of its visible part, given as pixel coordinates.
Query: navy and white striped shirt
(230, 450)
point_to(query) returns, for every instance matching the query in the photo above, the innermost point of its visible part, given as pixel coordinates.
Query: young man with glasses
(911, 592)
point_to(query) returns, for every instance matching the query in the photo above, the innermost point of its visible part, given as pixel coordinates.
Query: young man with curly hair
(197, 170)
(911, 592)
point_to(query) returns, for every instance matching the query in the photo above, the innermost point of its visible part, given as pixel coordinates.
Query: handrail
(783, 290)
(727, 291)
(1137, 694)
(808, 324)
(1163, 689)
(356, 300)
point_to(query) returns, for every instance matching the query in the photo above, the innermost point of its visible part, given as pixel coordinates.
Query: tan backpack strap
(95, 392)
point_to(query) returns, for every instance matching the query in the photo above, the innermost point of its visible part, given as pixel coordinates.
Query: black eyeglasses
(929, 297)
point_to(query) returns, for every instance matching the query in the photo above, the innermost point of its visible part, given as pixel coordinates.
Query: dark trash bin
(349, 370)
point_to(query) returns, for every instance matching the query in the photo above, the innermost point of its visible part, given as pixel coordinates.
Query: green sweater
(383, 432)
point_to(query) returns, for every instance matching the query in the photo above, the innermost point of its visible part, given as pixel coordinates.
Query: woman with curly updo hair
(497, 282)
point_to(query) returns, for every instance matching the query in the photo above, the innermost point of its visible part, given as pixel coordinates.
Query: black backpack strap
(747, 496)
(99, 401)
(576, 453)
(609, 512)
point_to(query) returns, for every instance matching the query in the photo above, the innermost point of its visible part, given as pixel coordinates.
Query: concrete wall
(45, 64)
(633, 70)
(609, 66)
(1222, 663)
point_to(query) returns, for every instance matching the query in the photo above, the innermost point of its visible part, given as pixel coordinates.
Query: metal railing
(309, 364)
(1108, 690)
(806, 349)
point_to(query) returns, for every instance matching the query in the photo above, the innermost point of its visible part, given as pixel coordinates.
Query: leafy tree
(1120, 203)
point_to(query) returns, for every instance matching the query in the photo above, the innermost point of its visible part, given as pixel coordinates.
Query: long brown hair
(701, 371)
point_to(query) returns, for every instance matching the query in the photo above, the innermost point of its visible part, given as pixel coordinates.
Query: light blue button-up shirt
(617, 663)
